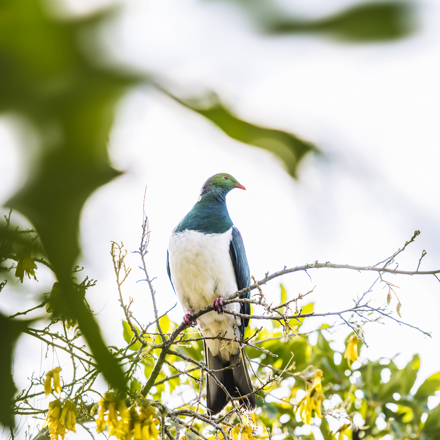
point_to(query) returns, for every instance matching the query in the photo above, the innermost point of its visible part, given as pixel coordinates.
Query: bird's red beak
(239, 185)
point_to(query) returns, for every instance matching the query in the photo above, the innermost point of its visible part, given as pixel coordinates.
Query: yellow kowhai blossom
(236, 432)
(137, 422)
(311, 402)
(68, 415)
(116, 410)
(55, 376)
(351, 353)
(61, 417)
(246, 431)
(149, 421)
(25, 266)
(313, 399)
(316, 384)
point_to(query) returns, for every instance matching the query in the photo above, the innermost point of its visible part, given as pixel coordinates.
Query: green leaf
(406, 413)
(428, 388)
(361, 23)
(283, 294)
(69, 98)
(324, 357)
(159, 388)
(305, 310)
(325, 430)
(174, 383)
(432, 424)
(128, 336)
(283, 299)
(287, 146)
(135, 386)
(299, 347)
(10, 330)
(409, 375)
(149, 365)
(387, 390)
(371, 377)
(194, 349)
(165, 323)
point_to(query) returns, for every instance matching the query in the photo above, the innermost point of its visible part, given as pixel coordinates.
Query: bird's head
(220, 184)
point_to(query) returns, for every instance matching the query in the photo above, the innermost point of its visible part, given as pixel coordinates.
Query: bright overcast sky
(373, 110)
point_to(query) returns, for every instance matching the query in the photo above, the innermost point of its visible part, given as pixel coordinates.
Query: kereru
(206, 262)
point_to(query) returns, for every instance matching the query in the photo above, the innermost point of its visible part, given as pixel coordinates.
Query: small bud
(399, 305)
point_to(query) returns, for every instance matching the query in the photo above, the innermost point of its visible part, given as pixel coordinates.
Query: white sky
(373, 110)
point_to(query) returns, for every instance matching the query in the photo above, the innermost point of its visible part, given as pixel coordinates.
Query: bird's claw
(188, 319)
(218, 305)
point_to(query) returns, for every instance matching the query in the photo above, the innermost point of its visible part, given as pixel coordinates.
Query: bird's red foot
(188, 319)
(218, 305)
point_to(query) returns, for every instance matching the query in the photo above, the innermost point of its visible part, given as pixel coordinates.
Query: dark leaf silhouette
(361, 23)
(10, 331)
(286, 146)
(68, 97)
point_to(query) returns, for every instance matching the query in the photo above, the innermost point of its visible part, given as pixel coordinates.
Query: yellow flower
(100, 421)
(247, 433)
(313, 399)
(56, 380)
(351, 353)
(25, 266)
(61, 418)
(316, 384)
(316, 402)
(235, 432)
(137, 422)
(55, 376)
(149, 420)
(304, 410)
(68, 415)
(114, 406)
(48, 383)
(137, 431)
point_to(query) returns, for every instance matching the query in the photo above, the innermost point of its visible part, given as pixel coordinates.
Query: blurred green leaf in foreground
(361, 23)
(368, 21)
(68, 97)
(286, 146)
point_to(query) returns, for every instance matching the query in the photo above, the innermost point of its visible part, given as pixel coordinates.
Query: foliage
(361, 23)
(357, 23)
(299, 378)
(68, 98)
(288, 147)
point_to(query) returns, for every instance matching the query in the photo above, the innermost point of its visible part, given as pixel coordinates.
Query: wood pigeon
(206, 262)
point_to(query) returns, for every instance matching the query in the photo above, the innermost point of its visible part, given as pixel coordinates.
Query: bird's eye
(226, 177)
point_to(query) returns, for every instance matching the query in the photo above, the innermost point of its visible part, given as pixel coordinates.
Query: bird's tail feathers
(233, 376)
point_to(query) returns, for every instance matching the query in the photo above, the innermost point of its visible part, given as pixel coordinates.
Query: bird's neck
(214, 198)
(209, 215)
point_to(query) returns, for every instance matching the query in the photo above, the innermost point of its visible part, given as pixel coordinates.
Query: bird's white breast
(201, 267)
(202, 271)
